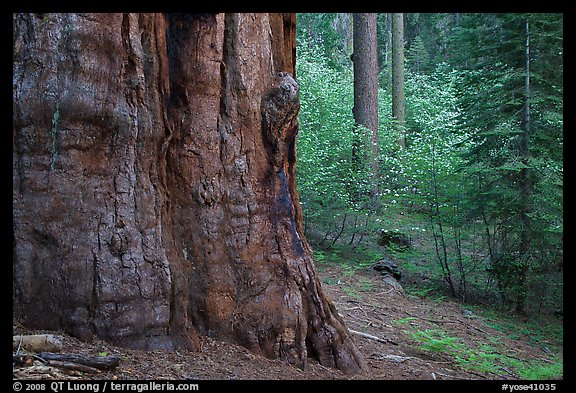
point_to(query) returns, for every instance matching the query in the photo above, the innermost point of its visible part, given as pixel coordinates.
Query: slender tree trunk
(342, 24)
(388, 40)
(385, 56)
(398, 102)
(365, 60)
(436, 221)
(154, 185)
(526, 182)
(341, 230)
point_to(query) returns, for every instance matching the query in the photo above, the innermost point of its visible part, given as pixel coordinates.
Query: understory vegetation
(475, 198)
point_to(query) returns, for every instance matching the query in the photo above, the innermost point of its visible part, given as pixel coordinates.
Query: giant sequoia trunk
(154, 185)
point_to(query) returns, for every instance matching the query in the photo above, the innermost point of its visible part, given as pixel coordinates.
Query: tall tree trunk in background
(365, 60)
(387, 44)
(154, 190)
(342, 25)
(398, 102)
(525, 182)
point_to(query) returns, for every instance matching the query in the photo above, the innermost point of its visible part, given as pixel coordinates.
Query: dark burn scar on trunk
(279, 110)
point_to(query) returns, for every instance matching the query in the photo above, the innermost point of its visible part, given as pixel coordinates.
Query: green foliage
(417, 56)
(481, 357)
(484, 359)
(419, 292)
(325, 140)
(334, 185)
(404, 321)
(539, 370)
(460, 181)
(319, 30)
(319, 256)
(436, 340)
(493, 99)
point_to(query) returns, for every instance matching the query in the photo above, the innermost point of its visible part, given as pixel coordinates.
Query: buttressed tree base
(154, 190)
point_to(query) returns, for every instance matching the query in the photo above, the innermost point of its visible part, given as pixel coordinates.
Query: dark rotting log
(100, 362)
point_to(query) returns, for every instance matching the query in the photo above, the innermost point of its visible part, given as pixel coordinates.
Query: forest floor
(421, 338)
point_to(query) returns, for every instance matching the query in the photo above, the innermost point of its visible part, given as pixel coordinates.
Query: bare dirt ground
(368, 305)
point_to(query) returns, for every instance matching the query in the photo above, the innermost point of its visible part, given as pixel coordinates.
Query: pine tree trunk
(398, 102)
(365, 59)
(525, 183)
(154, 186)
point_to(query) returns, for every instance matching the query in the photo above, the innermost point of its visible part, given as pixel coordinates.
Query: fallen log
(38, 342)
(371, 337)
(97, 362)
(74, 366)
(391, 358)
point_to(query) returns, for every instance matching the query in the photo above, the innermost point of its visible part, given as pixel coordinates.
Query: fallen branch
(94, 362)
(448, 321)
(425, 319)
(371, 337)
(391, 358)
(73, 366)
(445, 375)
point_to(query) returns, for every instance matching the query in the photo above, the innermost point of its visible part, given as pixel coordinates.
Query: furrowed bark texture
(154, 185)
(366, 84)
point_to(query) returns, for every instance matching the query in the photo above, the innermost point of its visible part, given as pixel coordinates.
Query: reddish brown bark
(366, 83)
(154, 184)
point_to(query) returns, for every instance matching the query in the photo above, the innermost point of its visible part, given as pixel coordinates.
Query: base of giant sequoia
(154, 185)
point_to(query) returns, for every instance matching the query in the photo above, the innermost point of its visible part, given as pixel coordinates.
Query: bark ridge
(154, 185)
